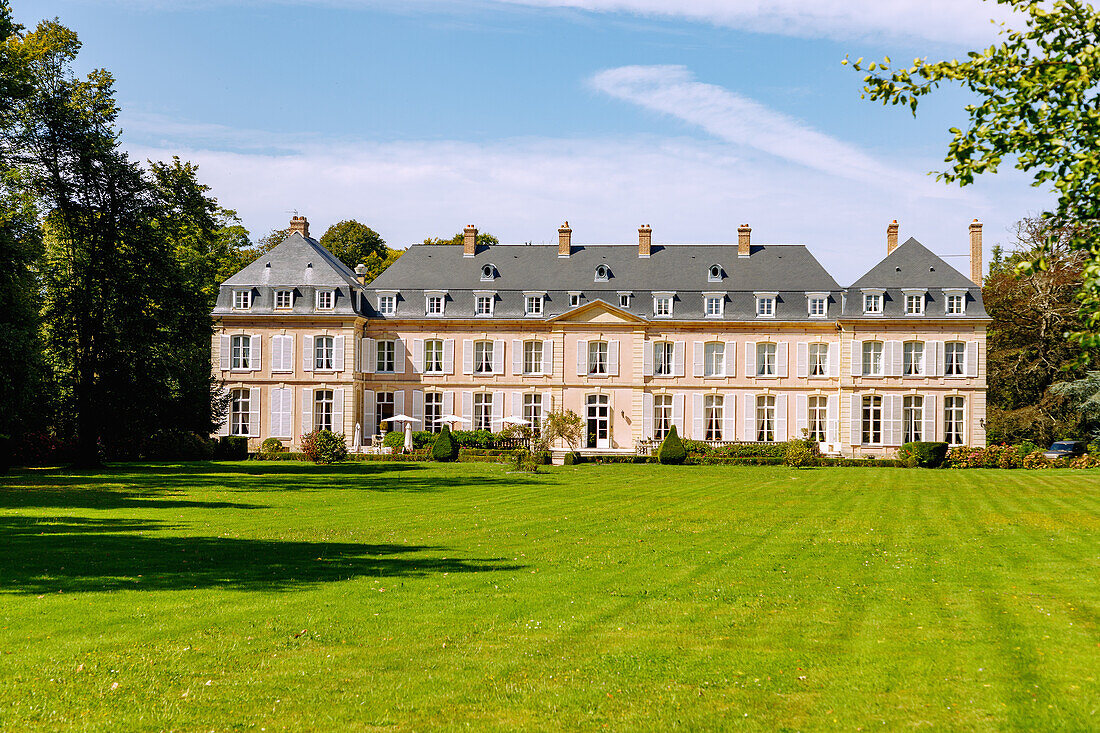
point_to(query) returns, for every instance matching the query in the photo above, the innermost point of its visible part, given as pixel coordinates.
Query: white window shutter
(468, 407)
(517, 357)
(731, 361)
(678, 401)
(448, 356)
(467, 356)
(781, 418)
(398, 404)
(750, 364)
(281, 359)
(418, 408)
(893, 354)
(647, 415)
(255, 352)
(748, 413)
(697, 416)
(834, 359)
(857, 359)
(832, 419)
(971, 358)
(801, 415)
(679, 354)
(781, 359)
(928, 426)
(338, 411)
(697, 359)
(286, 423)
(802, 360)
(582, 357)
(613, 358)
(399, 356)
(448, 403)
(338, 353)
(307, 411)
(368, 360)
(647, 358)
(307, 354)
(223, 428)
(548, 359)
(225, 353)
(498, 408)
(517, 404)
(729, 422)
(418, 356)
(370, 427)
(895, 419)
(275, 417)
(498, 356)
(933, 360)
(855, 437)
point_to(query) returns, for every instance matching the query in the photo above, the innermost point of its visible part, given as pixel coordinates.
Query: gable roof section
(593, 310)
(297, 260)
(912, 265)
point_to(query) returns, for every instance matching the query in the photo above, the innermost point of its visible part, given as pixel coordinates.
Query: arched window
(603, 273)
(714, 273)
(488, 271)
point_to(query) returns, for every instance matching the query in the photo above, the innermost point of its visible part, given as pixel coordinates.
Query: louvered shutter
(781, 418)
(678, 401)
(548, 358)
(278, 363)
(731, 359)
(399, 356)
(307, 354)
(418, 356)
(729, 422)
(418, 408)
(834, 359)
(697, 416)
(832, 419)
(255, 352)
(802, 360)
(517, 404)
(498, 408)
(857, 358)
(801, 415)
(582, 357)
(498, 356)
(679, 349)
(338, 353)
(697, 360)
(855, 437)
(448, 356)
(369, 359)
(398, 404)
(613, 358)
(750, 359)
(370, 427)
(467, 356)
(928, 418)
(307, 411)
(895, 419)
(468, 407)
(285, 350)
(893, 361)
(223, 428)
(748, 413)
(225, 352)
(933, 360)
(275, 418)
(647, 358)
(547, 402)
(647, 416)
(338, 411)
(781, 359)
(286, 415)
(448, 403)
(517, 357)
(971, 358)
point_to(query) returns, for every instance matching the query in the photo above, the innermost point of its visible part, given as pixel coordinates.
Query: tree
(444, 448)
(1082, 402)
(268, 242)
(566, 426)
(354, 243)
(671, 451)
(483, 239)
(1037, 92)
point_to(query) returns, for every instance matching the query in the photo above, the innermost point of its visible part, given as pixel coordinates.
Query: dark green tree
(444, 448)
(354, 243)
(672, 451)
(484, 239)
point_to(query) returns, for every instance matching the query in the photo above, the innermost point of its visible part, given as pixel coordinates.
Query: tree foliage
(1038, 91)
(354, 243)
(483, 239)
(566, 426)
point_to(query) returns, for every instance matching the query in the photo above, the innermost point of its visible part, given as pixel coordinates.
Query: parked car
(1065, 449)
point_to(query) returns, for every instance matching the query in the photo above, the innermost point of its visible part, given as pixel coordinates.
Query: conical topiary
(444, 449)
(672, 450)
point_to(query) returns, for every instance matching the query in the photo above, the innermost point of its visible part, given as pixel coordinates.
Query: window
(765, 418)
(714, 274)
(483, 411)
(532, 411)
(872, 358)
(383, 409)
(240, 352)
(574, 300)
(242, 300)
(662, 359)
(483, 357)
(956, 304)
(624, 300)
(714, 305)
(765, 359)
(872, 420)
(713, 405)
(819, 360)
(662, 305)
(433, 410)
(326, 300)
(662, 415)
(533, 305)
(387, 304)
(913, 359)
(872, 303)
(532, 357)
(597, 357)
(387, 356)
(433, 356)
(324, 355)
(240, 405)
(817, 306)
(954, 413)
(284, 299)
(912, 418)
(322, 409)
(914, 304)
(483, 305)
(602, 273)
(487, 272)
(714, 359)
(765, 306)
(433, 305)
(817, 412)
(954, 359)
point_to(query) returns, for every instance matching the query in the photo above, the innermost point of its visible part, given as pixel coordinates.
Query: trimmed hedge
(925, 454)
(232, 448)
(444, 449)
(671, 452)
(739, 450)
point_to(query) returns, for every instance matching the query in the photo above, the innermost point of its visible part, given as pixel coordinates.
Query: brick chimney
(300, 225)
(976, 252)
(645, 239)
(469, 241)
(361, 273)
(892, 236)
(744, 237)
(565, 240)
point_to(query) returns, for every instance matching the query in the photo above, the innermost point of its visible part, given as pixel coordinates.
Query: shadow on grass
(73, 555)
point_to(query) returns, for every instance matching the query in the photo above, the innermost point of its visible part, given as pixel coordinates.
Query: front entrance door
(599, 418)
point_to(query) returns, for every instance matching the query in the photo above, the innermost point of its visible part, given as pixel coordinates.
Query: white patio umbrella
(401, 418)
(408, 437)
(448, 419)
(358, 439)
(512, 420)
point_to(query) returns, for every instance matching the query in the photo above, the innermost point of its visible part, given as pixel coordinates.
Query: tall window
(913, 359)
(324, 355)
(912, 418)
(714, 305)
(322, 409)
(532, 357)
(532, 411)
(955, 305)
(816, 414)
(387, 356)
(242, 299)
(326, 300)
(765, 418)
(434, 305)
(662, 305)
(713, 405)
(387, 304)
(914, 304)
(765, 359)
(433, 410)
(240, 404)
(483, 411)
(383, 410)
(483, 357)
(597, 357)
(240, 352)
(765, 306)
(483, 305)
(662, 415)
(284, 299)
(433, 356)
(534, 305)
(954, 355)
(819, 360)
(817, 307)
(714, 359)
(872, 358)
(954, 417)
(872, 302)
(872, 419)
(662, 359)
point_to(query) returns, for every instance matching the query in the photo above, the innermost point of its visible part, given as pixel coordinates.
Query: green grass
(410, 597)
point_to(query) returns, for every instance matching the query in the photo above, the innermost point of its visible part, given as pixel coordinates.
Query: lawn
(271, 596)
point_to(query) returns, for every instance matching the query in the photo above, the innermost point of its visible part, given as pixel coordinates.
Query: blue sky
(419, 117)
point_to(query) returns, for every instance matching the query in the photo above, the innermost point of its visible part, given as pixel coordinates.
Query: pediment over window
(597, 311)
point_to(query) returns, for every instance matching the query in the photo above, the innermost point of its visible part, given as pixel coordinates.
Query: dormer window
(433, 303)
(284, 300)
(326, 300)
(714, 273)
(387, 304)
(532, 304)
(872, 302)
(624, 300)
(662, 304)
(914, 302)
(488, 272)
(574, 300)
(483, 303)
(603, 273)
(714, 304)
(954, 302)
(817, 305)
(765, 304)
(242, 300)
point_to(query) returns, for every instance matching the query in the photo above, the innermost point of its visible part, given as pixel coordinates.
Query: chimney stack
(361, 273)
(300, 225)
(469, 241)
(892, 236)
(744, 237)
(976, 252)
(645, 239)
(565, 240)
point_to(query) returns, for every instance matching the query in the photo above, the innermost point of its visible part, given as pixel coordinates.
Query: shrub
(5, 453)
(737, 450)
(572, 458)
(272, 445)
(926, 454)
(444, 449)
(324, 446)
(1009, 458)
(180, 445)
(523, 460)
(474, 438)
(36, 448)
(671, 452)
(394, 439)
(802, 454)
(232, 448)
